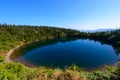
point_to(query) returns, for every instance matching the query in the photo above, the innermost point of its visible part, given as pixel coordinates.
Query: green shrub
(15, 71)
(1, 59)
(102, 75)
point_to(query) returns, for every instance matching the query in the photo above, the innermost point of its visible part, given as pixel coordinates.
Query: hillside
(14, 35)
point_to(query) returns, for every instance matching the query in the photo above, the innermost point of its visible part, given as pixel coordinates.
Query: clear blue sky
(75, 14)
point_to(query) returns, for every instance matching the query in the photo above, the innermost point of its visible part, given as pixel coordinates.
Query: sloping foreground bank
(17, 71)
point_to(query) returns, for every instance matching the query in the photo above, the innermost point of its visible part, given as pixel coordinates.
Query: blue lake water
(84, 53)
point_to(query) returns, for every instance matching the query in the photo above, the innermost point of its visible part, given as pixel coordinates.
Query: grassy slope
(17, 71)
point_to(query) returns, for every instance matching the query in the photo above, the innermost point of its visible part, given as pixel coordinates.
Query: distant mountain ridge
(99, 30)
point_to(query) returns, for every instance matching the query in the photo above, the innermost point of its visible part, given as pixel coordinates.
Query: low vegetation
(17, 71)
(14, 35)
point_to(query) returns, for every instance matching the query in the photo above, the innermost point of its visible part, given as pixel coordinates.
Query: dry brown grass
(58, 74)
(74, 75)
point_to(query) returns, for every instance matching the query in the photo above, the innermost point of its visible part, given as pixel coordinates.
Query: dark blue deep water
(84, 53)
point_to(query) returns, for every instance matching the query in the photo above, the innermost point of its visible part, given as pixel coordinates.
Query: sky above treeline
(74, 14)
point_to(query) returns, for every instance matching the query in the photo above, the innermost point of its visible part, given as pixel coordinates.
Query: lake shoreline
(28, 64)
(8, 54)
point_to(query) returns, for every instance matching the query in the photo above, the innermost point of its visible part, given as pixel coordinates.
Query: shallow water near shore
(84, 53)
